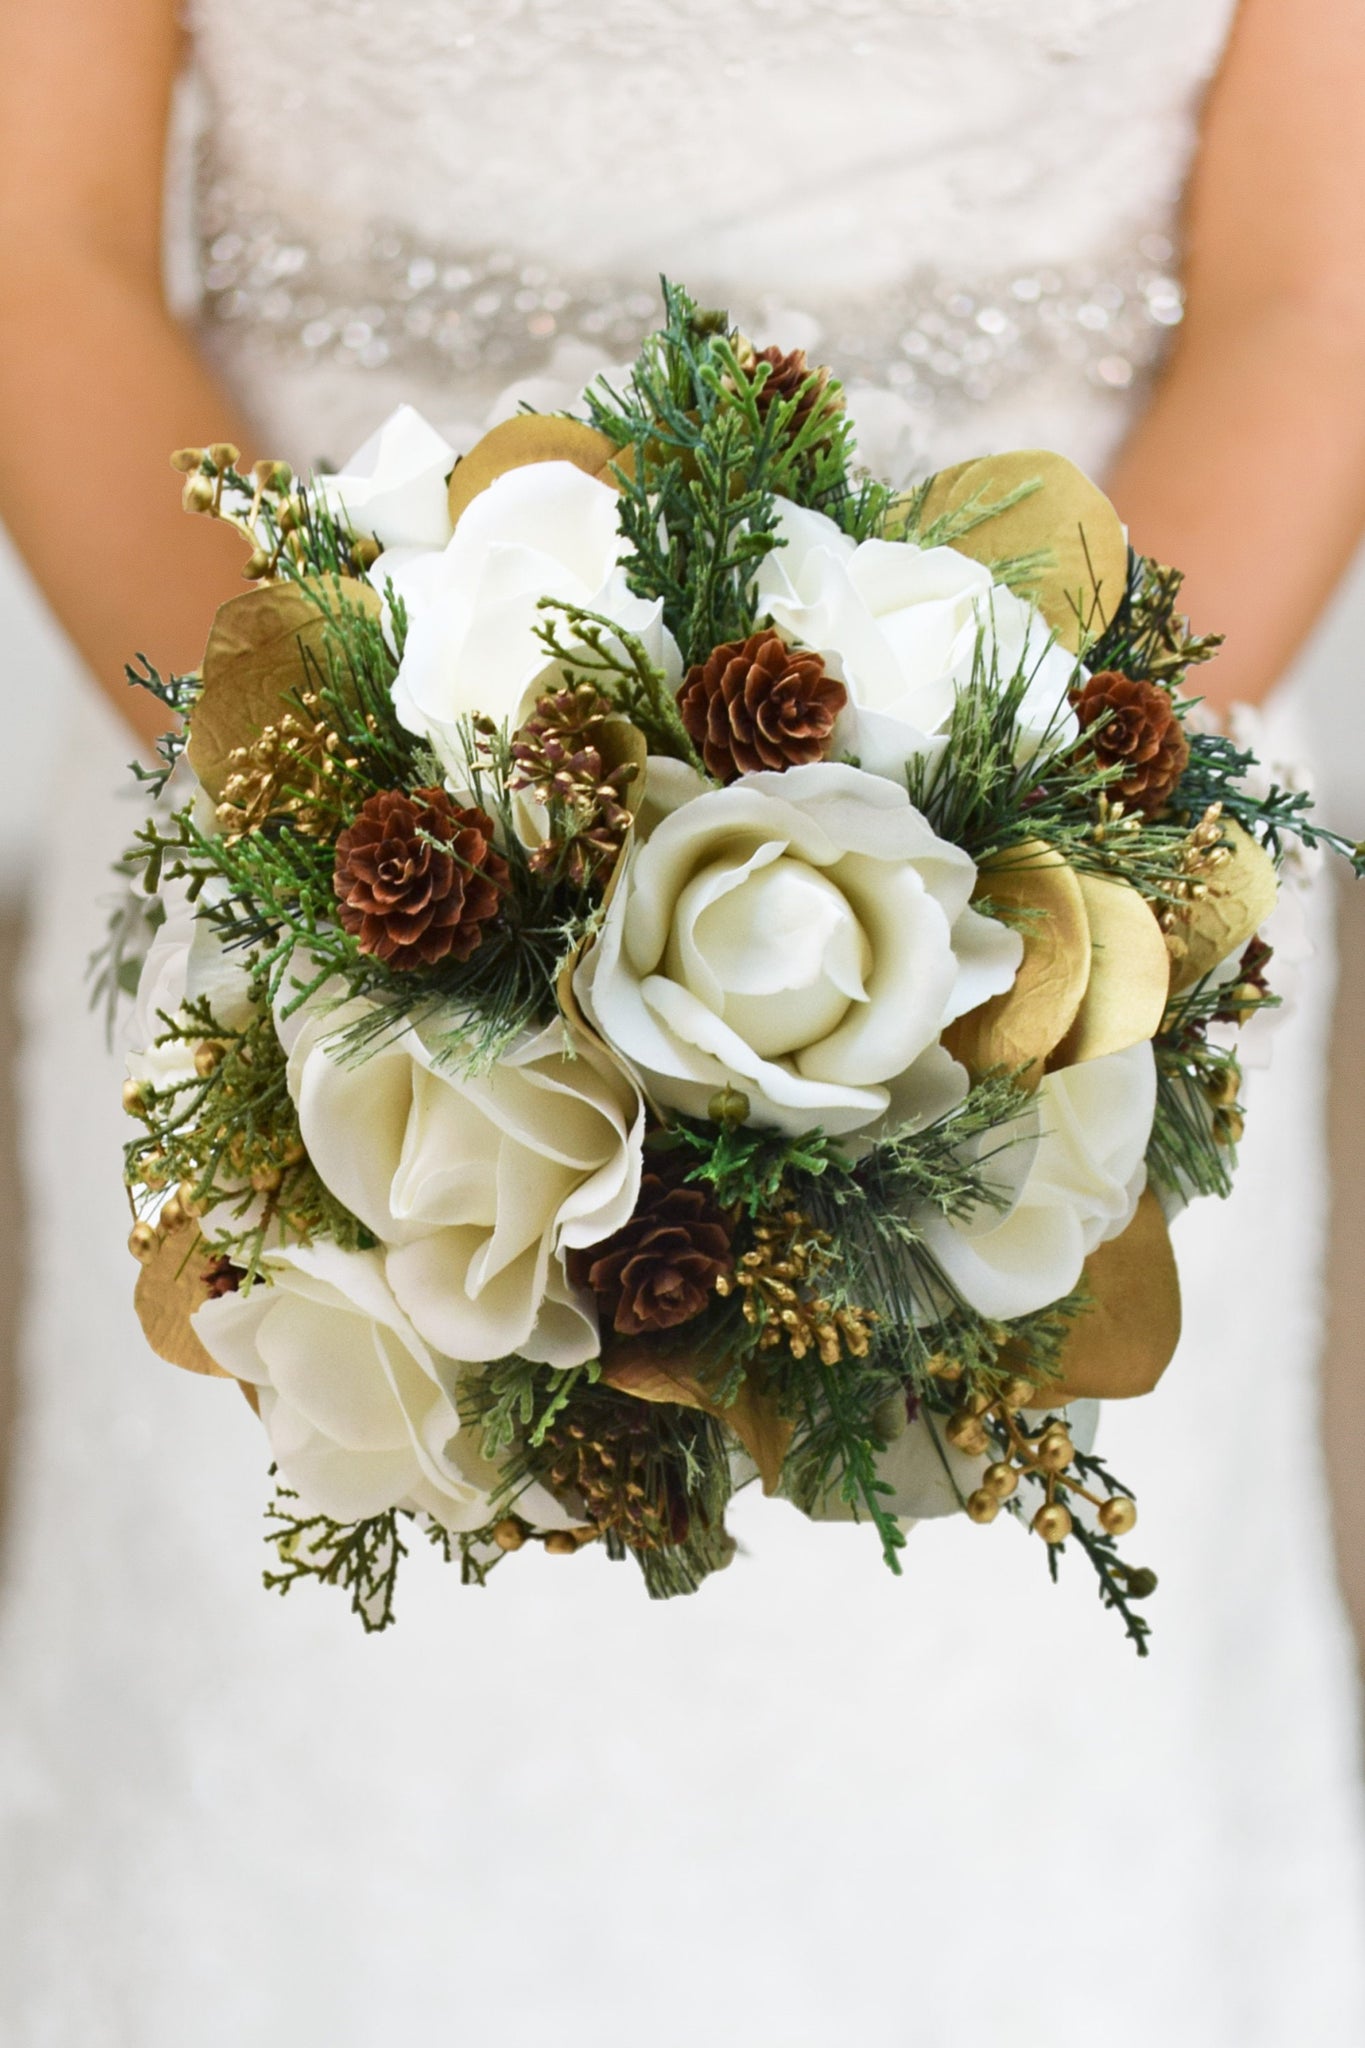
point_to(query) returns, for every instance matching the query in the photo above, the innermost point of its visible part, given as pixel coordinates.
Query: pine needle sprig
(360, 1557)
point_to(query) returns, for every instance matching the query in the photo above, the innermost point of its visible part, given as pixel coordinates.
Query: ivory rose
(394, 487)
(476, 1185)
(544, 530)
(360, 1413)
(900, 625)
(185, 963)
(803, 938)
(1070, 1179)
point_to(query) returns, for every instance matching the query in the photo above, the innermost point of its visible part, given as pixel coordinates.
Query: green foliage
(616, 664)
(217, 1130)
(708, 460)
(1216, 774)
(1149, 636)
(360, 1557)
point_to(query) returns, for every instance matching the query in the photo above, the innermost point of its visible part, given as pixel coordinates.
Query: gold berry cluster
(984, 1421)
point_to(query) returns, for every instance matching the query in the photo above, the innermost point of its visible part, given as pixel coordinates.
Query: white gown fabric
(814, 1804)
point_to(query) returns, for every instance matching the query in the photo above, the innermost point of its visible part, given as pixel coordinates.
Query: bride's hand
(98, 383)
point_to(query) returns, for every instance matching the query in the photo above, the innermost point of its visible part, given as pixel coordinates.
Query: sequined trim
(375, 299)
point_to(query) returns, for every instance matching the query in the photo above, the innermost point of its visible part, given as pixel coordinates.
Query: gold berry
(134, 1098)
(142, 1241)
(965, 1433)
(172, 1215)
(1001, 1480)
(1052, 1522)
(509, 1534)
(1118, 1516)
(982, 1506)
(208, 1056)
(1018, 1392)
(1055, 1452)
(561, 1543)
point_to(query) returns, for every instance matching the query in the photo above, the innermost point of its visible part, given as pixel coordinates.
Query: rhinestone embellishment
(374, 298)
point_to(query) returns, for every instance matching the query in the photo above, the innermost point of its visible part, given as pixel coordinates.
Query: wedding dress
(815, 1804)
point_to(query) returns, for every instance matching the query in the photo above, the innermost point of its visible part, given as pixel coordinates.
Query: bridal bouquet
(674, 964)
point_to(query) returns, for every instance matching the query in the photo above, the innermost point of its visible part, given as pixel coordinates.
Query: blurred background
(41, 681)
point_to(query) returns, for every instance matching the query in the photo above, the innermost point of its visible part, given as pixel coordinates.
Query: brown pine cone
(787, 373)
(758, 703)
(1141, 734)
(409, 902)
(659, 1269)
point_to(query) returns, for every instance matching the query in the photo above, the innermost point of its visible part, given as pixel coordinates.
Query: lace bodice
(964, 200)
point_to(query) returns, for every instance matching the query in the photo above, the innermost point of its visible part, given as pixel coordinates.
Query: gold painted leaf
(1022, 1027)
(170, 1287)
(253, 667)
(1067, 517)
(1241, 895)
(529, 437)
(1130, 971)
(753, 1417)
(1120, 1345)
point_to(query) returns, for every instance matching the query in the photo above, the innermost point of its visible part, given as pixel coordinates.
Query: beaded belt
(375, 298)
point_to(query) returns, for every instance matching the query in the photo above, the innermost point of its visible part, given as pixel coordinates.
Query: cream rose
(1071, 1176)
(477, 1185)
(544, 530)
(900, 625)
(360, 1413)
(803, 938)
(186, 962)
(394, 487)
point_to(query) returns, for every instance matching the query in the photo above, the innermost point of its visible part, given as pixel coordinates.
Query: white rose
(543, 530)
(801, 937)
(361, 1415)
(186, 962)
(395, 486)
(476, 1184)
(900, 626)
(1072, 1176)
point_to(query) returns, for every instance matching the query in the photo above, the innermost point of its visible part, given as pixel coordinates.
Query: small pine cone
(788, 371)
(411, 902)
(222, 1277)
(660, 1268)
(1141, 734)
(758, 703)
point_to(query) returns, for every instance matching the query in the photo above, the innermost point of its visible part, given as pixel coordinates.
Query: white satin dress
(814, 1805)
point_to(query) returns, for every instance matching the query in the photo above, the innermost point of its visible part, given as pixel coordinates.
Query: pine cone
(1141, 734)
(411, 902)
(758, 703)
(659, 1269)
(788, 372)
(222, 1277)
(621, 1463)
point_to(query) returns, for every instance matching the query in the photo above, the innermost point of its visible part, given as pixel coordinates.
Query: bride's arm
(97, 381)
(1249, 468)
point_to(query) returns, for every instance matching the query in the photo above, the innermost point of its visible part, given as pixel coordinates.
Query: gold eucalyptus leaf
(1020, 1028)
(526, 438)
(753, 1416)
(1121, 1343)
(253, 666)
(1130, 972)
(1066, 518)
(170, 1287)
(1241, 895)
